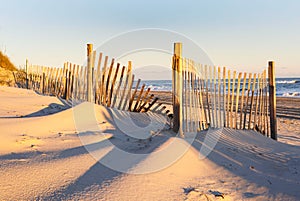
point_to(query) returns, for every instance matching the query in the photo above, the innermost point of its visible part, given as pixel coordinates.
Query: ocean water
(285, 87)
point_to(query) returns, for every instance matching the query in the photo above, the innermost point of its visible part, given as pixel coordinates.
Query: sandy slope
(43, 157)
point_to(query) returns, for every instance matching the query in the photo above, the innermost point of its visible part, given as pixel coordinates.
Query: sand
(46, 154)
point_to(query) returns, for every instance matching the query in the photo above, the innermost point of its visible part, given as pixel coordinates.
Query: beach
(43, 156)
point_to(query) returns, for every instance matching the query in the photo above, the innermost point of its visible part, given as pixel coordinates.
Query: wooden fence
(213, 97)
(103, 82)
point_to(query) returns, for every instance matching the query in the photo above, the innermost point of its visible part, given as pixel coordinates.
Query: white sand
(42, 157)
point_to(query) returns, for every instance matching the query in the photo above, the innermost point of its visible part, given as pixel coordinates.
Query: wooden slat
(143, 106)
(204, 120)
(252, 100)
(117, 96)
(220, 124)
(215, 97)
(144, 101)
(151, 104)
(194, 107)
(267, 110)
(257, 102)
(224, 98)
(137, 102)
(198, 105)
(242, 101)
(133, 95)
(106, 92)
(98, 79)
(247, 100)
(102, 88)
(128, 96)
(124, 90)
(113, 85)
(228, 99)
(237, 101)
(211, 87)
(232, 99)
(185, 97)
(206, 94)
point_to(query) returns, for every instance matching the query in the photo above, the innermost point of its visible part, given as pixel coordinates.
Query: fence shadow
(239, 152)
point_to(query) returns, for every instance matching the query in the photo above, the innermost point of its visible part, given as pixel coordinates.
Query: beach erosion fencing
(213, 97)
(102, 82)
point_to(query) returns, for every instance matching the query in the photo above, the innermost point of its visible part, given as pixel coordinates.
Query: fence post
(26, 69)
(272, 99)
(177, 89)
(89, 73)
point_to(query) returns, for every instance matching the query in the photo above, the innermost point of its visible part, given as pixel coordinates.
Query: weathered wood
(139, 108)
(89, 73)
(247, 99)
(177, 89)
(127, 99)
(98, 79)
(220, 124)
(215, 97)
(237, 101)
(103, 84)
(133, 95)
(124, 90)
(142, 108)
(232, 99)
(113, 85)
(211, 99)
(257, 102)
(228, 99)
(117, 96)
(106, 93)
(26, 71)
(151, 104)
(252, 100)
(224, 98)
(267, 110)
(242, 101)
(185, 96)
(272, 100)
(137, 102)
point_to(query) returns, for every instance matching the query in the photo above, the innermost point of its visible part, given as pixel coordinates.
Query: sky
(241, 35)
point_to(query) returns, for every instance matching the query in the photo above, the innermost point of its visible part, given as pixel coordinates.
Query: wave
(287, 81)
(294, 94)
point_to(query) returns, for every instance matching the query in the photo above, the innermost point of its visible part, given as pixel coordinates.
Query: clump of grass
(6, 63)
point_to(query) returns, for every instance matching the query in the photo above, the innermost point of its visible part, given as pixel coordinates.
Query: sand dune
(47, 154)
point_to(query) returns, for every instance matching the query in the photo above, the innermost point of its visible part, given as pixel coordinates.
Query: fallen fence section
(102, 81)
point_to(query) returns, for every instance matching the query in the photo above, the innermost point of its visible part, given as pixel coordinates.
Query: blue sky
(239, 34)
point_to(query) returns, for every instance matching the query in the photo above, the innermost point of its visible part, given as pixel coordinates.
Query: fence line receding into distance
(103, 82)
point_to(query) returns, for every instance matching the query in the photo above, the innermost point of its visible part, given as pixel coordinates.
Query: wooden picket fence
(102, 81)
(213, 97)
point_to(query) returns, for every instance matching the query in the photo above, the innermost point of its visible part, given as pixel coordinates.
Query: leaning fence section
(215, 97)
(102, 81)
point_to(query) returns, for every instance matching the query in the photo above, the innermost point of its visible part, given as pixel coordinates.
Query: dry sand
(43, 157)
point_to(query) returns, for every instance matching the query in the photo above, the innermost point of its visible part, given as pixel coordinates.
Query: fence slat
(242, 101)
(252, 100)
(117, 96)
(232, 99)
(237, 101)
(113, 85)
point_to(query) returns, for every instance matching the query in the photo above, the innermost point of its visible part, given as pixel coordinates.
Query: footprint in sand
(29, 141)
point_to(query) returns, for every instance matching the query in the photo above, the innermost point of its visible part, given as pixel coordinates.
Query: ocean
(285, 87)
